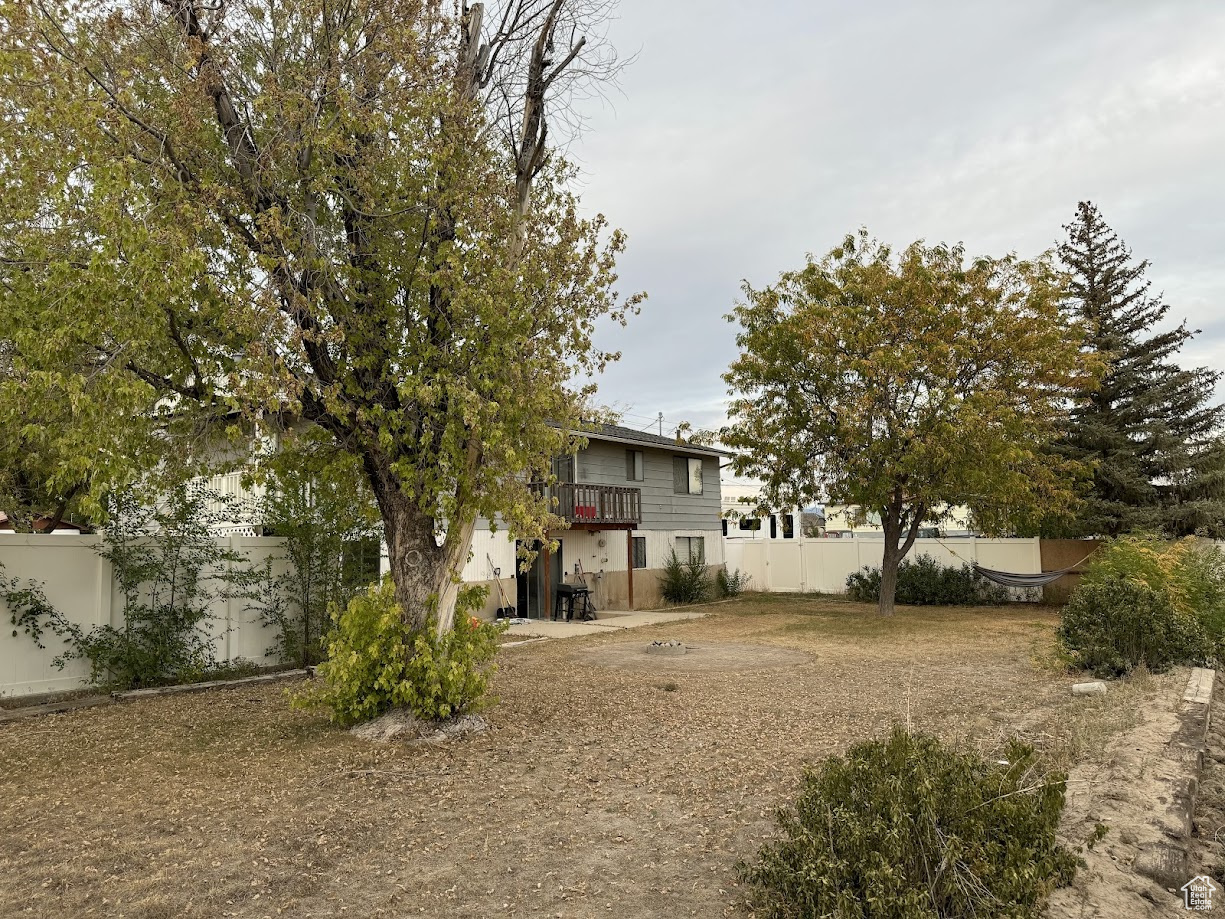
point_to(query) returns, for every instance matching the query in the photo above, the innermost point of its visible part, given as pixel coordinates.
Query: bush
(1111, 626)
(908, 828)
(1146, 599)
(731, 585)
(925, 582)
(376, 662)
(172, 572)
(864, 585)
(1190, 572)
(685, 582)
(318, 503)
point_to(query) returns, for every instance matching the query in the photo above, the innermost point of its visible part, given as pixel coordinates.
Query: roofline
(658, 445)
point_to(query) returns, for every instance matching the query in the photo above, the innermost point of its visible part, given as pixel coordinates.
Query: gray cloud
(746, 135)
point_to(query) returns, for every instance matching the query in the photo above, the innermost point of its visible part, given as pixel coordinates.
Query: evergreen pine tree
(1151, 431)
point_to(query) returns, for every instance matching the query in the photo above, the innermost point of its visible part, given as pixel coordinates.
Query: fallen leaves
(592, 788)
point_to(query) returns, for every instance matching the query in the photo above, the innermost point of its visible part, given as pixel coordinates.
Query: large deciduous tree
(1151, 431)
(348, 209)
(906, 385)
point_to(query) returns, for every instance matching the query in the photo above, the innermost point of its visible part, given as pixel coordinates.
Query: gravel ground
(606, 787)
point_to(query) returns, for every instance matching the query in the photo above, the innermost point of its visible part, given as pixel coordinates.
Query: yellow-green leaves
(908, 383)
(287, 207)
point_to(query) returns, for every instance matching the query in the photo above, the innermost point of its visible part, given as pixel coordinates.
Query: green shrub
(731, 585)
(685, 582)
(1147, 599)
(864, 585)
(31, 612)
(1190, 572)
(319, 504)
(376, 662)
(907, 828)
(925, 582)
(1111, 625)
(171, 572)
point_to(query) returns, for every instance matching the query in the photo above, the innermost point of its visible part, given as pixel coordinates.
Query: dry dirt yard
(609, 785)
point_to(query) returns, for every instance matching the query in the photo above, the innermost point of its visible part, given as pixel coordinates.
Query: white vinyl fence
(80, 584)
(822, 565)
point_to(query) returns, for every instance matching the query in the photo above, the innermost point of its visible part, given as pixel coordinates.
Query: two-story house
(630, 498)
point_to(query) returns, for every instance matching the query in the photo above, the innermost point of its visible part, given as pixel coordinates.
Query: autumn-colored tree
(907, 385)
(348, 210)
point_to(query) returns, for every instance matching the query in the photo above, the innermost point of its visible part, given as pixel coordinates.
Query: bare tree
(527, 64)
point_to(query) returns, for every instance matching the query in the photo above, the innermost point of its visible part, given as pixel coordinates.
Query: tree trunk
(901, 525)
(426, 573)
(889, 564)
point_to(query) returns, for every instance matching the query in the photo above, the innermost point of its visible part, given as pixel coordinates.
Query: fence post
(229, 602)
(106, 589)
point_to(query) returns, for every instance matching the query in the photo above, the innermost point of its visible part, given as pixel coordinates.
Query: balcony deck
(598, 507)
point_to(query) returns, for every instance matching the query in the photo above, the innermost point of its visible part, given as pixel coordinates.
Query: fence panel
(77, 582)
(80, 584)
(749, 557)
(827, 562)
(822, 565)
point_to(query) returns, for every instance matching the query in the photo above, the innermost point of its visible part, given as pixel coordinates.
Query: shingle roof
(618, 434)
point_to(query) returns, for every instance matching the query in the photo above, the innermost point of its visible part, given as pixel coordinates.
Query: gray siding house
(630, 498)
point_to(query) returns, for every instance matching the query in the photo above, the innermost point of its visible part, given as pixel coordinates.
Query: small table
(573, 596)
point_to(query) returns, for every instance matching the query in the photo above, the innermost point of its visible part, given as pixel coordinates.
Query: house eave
(656, 445)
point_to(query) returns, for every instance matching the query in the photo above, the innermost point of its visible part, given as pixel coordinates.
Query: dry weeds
(600, 790)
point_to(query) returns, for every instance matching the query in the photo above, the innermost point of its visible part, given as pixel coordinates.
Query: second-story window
(686, 475)
(563, 468)
(634, 466)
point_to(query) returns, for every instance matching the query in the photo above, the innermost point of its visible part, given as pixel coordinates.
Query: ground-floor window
(689, 548)
(640, 551)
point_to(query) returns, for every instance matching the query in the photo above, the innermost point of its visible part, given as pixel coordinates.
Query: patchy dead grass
(600, 791)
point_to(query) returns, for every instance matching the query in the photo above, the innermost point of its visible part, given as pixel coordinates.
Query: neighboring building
(631, 498)
(741, 520)
(845, 522)
(42, 524)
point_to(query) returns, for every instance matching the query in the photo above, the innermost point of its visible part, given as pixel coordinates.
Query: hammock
(1009, 579)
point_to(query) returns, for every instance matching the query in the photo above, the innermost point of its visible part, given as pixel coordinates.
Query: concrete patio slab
(547, 628)
(647, 617)
(606, 623)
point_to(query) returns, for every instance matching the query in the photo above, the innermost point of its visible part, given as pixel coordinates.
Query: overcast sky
(749, 133)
